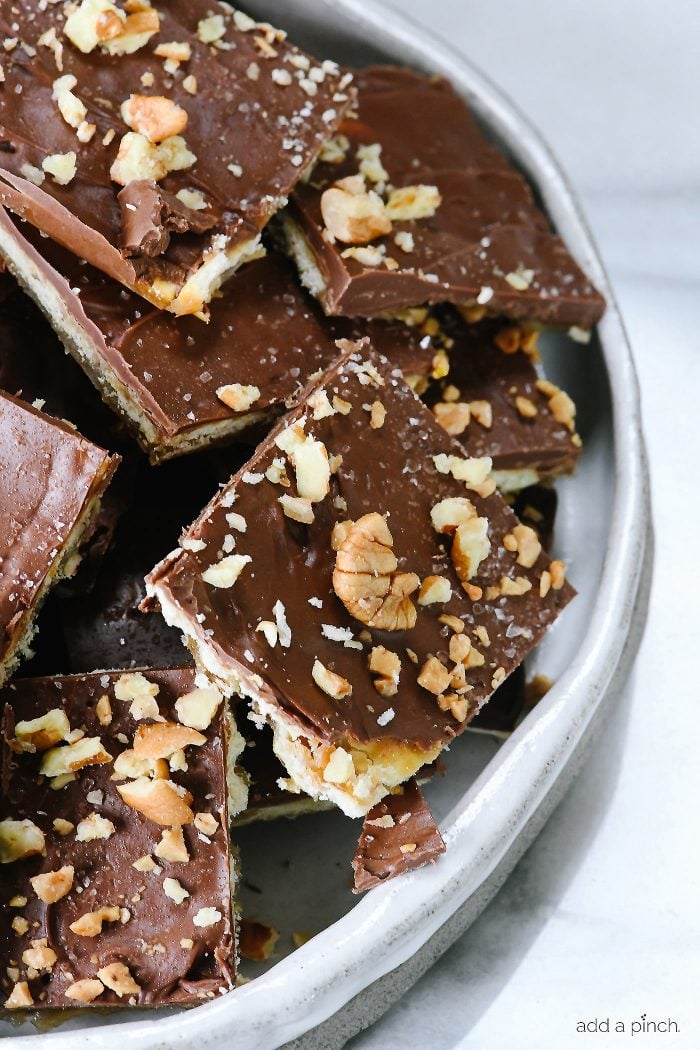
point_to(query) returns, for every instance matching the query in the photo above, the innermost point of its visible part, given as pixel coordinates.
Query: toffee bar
(114, 841)
(156, 141)
(362, 582)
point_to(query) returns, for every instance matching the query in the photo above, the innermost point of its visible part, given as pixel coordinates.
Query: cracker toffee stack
(329, 286)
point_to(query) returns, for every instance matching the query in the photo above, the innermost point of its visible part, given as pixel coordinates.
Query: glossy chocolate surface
(486, 228)
(149, 941)
(390, 471)
(399, 834)
(48, 474)
(481, 371)
(272, 130)
(264, 331)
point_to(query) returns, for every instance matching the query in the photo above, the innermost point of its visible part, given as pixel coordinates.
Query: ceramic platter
(496, 796)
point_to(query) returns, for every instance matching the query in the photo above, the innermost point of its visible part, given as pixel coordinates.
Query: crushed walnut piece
(352, 213)
(434, 589)
(365, 577)
(153, 116)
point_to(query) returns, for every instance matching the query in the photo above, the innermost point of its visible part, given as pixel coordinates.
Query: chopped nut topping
(339, 768)
(61, 167)
(173, 889)
(470, 546)
(70, 107)
(387, 821)
(238, 397)
(69, 758)
(434, 589)
(366, 581)
(482, 412)
(452, 622)
(309, 458)
(153, 116)
(460, 647)
(514, 588)
(84, 991)
(158, 800)
(39, 956)
(557, 572)
(520, 279)
(269, 629)
(117, 977)
(413, 202)
(172, 846)
(197, 709)
(297, 508)
(90, 924)
(352, 214)
(370, 165)
(408, 847)
(525, 407)
(206, 823)
(474, 471)
(524, 540)
(20, 997)
(211, 29)
(135, 688)
(103, 710)
(94, 827)
(453, 417)
(377, 415)
(39, 734)
(207, 917)
(545, 583)
(434, 676)
(62, 827)
(450, 513)
(164, 739)
(224, 573)
(20, 925)
(145, 863)
(100, 22)
(52, 885)
(386, 665)
(332, 684)
(174, 54)
(140, 159)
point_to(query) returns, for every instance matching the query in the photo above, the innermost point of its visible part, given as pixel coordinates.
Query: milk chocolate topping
(519, 430)
(264, 331)
(48, 476)
(388, 470)
(486, 243)
(273, 130)
(149, 936)
(399, 834)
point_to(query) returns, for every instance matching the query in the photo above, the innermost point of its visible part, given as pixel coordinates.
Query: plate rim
(381, 932)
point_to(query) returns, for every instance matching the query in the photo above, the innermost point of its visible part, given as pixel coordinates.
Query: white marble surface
(602, 917)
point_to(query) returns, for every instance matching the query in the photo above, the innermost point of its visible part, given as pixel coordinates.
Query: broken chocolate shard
(399, 834)
(496, 404)
(204, 67)
(51, 481)
(299, 640)
(149, 214)
(391, 220)
(163, 374)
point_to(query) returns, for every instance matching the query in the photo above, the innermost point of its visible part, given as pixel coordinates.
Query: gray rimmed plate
(494, 799)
